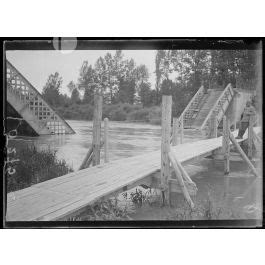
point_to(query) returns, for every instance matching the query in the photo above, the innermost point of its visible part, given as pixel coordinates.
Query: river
(237, 190)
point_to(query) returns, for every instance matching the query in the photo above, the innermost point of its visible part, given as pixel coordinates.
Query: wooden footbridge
(62, 197)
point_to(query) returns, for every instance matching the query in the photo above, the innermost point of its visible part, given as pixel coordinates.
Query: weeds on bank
(208, 209)
(35, 166)
(108, 210)
(116, 210)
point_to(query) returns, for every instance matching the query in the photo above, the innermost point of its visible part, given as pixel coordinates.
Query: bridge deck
(59, 197)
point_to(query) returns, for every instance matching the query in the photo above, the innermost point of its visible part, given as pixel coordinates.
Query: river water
(238, 190)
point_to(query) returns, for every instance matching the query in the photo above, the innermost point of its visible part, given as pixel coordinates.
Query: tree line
(178, 72)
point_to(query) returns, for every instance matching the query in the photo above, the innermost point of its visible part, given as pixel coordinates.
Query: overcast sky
(36, 66)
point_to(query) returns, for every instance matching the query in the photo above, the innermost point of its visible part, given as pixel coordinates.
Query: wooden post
(233, 140)
(183, 171)
(226, 145)
(181, 129)
(88, 155)
(235, 99)
(213, 126)
(106, 140)
(180, 179)
(97, 129)
(250, 137)
(165, 146)
(175, 132)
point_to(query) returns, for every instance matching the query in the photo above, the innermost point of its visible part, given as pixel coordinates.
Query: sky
(36, 66)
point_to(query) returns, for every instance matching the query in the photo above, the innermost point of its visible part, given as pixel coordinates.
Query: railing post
(175, 132)
(165, 146)
(97, 129)
(106, 140)
(250, 136)
(226, 146)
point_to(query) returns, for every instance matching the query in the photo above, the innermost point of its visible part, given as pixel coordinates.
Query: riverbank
(115, 112)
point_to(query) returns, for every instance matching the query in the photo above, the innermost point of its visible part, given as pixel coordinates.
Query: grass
(108, 210)
(34, 166)
(149, 203)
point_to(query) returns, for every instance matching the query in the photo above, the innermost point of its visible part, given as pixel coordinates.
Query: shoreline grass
(34, 166)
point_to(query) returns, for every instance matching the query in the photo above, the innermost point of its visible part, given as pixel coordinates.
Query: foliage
(34, 166)
(115, 112)
(178, 73)
(51, 91)
(139, 115)
(104, 211)
(75, 97)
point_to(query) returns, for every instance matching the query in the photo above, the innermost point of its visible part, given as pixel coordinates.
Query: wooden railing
(18, 85)
(220, 106)
(197, 96)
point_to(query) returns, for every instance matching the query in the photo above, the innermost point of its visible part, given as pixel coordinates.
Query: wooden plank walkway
(59, 197)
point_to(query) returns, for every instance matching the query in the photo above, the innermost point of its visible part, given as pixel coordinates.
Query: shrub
(117, 115)
(115, 112)
(35, 166)
(155, 115)
(139, 115)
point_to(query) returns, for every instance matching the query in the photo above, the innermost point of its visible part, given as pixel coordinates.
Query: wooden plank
(226, 145)
(215, 106)
(250, 137)
(106, 140)
(165, 145)
(253, 169)
(88, 155)
(213, 126)
(175, 132)
(182, 170)
(180, 179)
(235, 103)
(97, 129)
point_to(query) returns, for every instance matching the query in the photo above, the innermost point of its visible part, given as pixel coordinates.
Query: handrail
(215, 105)
(191, 101)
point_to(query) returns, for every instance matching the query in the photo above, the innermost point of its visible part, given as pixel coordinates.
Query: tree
(51, 91)
(142, 75)
(116, 79)
(75, 96)
(127, 82)
(71, 86)
(145, 93)
(160, 54)
(86, 82)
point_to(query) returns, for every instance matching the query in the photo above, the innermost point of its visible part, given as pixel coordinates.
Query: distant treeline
(115, 112)
(126, 89)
